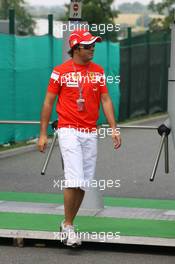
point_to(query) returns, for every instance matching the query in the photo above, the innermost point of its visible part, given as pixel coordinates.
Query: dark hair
(71, 51)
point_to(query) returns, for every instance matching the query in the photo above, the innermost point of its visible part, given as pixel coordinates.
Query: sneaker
(68, 235)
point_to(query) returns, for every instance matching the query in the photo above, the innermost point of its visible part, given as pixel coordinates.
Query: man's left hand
(116, 139)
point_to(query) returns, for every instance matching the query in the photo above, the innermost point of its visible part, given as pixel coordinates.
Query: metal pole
(49, 154)
(25, 122)
(12, 21)
(132, 127)
(158, 157)
(50, 24)
(148, 72)
(166, 155)
(51, 40)
(165, 63)
(129, 71)
(22, 122)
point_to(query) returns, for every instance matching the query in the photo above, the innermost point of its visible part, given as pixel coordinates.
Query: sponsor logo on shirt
(70, 79)
(73, 79)
(55, 76)
(95, 89)
(95, 77)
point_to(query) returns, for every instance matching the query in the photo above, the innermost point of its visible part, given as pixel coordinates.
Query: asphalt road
(88, 254)
(132, 165)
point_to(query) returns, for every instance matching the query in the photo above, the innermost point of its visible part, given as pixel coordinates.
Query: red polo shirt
(64, 82)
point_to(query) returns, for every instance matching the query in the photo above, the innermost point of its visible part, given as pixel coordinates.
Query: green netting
(108, 55)
(144, 74)
(25, 67)
(6, 81)
(156, 36)
(138, 102)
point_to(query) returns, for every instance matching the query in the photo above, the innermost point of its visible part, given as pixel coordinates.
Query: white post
(171, 84)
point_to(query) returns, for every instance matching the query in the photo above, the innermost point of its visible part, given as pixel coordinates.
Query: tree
(163, 8)
(98, 12)
(134, 8)
(143, 21)
(25, 23)
(40, 11)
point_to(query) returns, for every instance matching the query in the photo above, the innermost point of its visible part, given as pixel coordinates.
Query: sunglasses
(87, 46)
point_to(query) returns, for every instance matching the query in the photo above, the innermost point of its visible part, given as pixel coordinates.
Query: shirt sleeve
(54, 82)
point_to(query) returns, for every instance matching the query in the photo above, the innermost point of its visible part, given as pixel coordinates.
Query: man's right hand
(42, 143)
(45, 117)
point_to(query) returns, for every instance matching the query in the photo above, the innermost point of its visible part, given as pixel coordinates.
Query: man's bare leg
(73, 198)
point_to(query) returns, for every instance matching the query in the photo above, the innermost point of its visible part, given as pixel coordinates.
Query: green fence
(144, 74)
(25, 67)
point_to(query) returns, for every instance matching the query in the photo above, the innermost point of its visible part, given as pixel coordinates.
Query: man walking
(80, 86)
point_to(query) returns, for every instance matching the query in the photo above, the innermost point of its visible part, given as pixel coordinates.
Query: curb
(145, 120)
(20, 150)
(17, 151)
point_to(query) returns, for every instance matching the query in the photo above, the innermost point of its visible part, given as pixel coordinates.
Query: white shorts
(79, 152)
